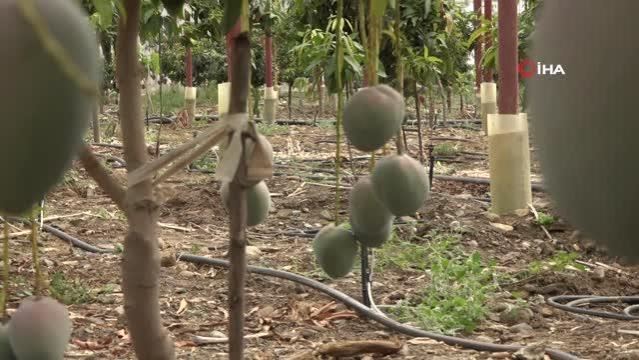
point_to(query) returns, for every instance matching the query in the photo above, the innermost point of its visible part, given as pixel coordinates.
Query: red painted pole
(478, 46)
(230, 40)
(488, 41)
(188, 66)
(508, 83)
(268, 60)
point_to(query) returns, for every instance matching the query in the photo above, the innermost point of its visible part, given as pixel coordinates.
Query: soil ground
(287, 317)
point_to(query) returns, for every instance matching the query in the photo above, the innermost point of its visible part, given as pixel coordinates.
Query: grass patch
(207, 94)
(460, 285)
(206, 163)
(272, 129)
(68, 292)
(561, 261)
(326, 124)
(445, 149)
(172, 99)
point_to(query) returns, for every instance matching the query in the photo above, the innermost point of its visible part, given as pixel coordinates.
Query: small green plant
(460, 286)
(326, 124)
(195, 248)
(561, 261)
(445, 149)
(272, 129)
(407, 255)
(207, 163)
(68, 292)
(545, 219)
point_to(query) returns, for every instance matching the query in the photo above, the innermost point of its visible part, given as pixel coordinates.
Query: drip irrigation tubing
(572, 303)
(359, 307)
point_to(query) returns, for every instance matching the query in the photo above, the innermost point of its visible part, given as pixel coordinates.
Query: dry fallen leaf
(183, 306)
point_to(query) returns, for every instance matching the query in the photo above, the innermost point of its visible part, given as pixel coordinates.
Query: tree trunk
(478, 46)
(270, 98)
(488, 41)
(290, 99)
(400, 74)
(461, 104)
(419, 123)
(449, 99)
(320, 91)
(431, 108)
(96, 122)
(442, 92)
(141, 259)
(237, 205)
(508, 94)
(190, 97)
(188, 67)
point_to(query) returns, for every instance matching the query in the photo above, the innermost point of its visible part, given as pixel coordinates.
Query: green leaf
(379, 7)
(232, 11)
(104, 9)
(427, 6)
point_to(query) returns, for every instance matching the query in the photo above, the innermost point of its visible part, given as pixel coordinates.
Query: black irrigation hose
(335, 294)
(570, 303)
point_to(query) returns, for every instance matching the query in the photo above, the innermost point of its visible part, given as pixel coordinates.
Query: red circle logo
(526, 68)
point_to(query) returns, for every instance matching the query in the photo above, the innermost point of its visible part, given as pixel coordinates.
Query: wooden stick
(205, 340)
(352, 348)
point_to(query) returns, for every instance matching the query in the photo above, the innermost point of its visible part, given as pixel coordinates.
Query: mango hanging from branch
(373, 116)
(47, 97)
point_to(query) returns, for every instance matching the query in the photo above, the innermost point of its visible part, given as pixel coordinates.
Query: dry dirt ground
(288, 318)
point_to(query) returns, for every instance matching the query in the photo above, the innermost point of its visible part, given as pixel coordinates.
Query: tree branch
(102, 176)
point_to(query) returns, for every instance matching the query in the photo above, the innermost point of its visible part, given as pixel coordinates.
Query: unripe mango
(401, 183)
(6, 353)
(258, 202)
(583, 119)
(335, 250)
(369, 217)
(377, 238)
(373, 116)
(43, 113)
(40, 329)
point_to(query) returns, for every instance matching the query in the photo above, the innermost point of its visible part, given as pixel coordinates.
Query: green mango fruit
(258, 202)
(401, 184)
(43, 113)
(370, 219)
(6, 352)
(373, 116)
(335, 250)
(40, 329)
(377, 238)
(583, 117)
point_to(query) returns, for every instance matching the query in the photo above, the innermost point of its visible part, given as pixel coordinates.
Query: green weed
(545, 219)
(68, 292)
(445, 149)
(460, 285)
(561, 261)
(272, 129)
